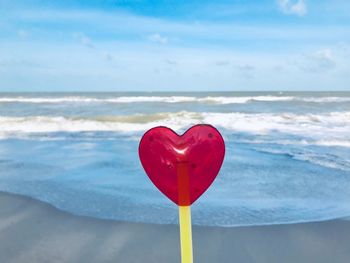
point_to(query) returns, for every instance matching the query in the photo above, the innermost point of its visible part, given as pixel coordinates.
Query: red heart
(182, 167)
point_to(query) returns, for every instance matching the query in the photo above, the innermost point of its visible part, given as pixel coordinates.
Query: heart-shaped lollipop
(182, 166)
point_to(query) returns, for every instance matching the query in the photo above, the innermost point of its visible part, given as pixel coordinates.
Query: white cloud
(190, 45)
(170, 61)
(246, 67)
(23, 33)
(293, 7)
(324, 58)
(321, 60)
(77, 68)
(158, 39)
(107, 56)
(110, 23)
(222, 63)
(344, 48)
(84, 40)
(247, 71)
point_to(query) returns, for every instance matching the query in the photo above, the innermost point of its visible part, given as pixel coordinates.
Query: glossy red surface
(182, 167)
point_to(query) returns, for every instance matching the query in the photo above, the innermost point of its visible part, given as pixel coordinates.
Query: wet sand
(32, 231)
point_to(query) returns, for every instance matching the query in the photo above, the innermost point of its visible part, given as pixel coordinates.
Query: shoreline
(33, 231)
(68, 213)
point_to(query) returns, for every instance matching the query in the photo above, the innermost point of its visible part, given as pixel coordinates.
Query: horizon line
(194, 91)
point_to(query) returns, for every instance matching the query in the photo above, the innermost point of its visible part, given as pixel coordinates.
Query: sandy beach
(32, 231)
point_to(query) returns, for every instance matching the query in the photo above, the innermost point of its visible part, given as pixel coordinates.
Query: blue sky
(174, 45)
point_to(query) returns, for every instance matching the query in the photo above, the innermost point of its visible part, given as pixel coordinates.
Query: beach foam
(171, 99)
(284, 129)
(331, 125)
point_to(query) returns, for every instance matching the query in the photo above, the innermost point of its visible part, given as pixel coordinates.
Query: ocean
(287, 154)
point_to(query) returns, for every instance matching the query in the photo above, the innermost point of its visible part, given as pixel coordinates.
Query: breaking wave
(317, 125)
(171, 99)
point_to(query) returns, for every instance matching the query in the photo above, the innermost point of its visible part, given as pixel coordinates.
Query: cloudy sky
(199, 45)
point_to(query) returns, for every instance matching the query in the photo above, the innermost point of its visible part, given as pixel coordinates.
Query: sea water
(287, 154)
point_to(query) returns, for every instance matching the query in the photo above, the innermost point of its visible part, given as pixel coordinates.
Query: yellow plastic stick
(185, 234)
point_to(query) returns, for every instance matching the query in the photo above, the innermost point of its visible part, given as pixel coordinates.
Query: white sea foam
(330, 129)
(319, 126)
(48, 99)
(325, 99)
(167, 99)
(171, 99)
(45, 124)
(319, 158)
(81, 99)
(239, 100)
(303, 142)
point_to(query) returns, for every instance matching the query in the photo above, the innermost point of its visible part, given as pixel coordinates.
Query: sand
(32, 231)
